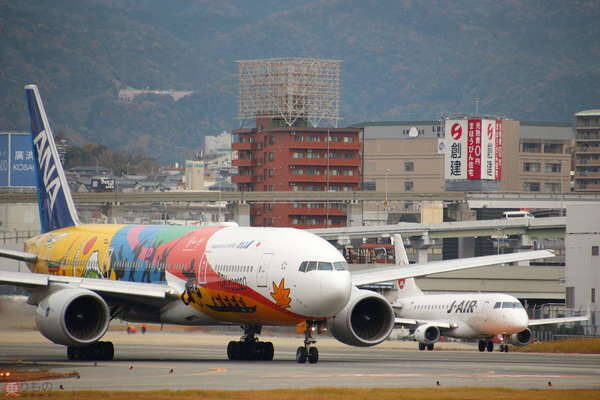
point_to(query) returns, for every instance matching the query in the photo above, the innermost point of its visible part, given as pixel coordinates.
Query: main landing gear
(489, 346)
(486, 345)
(249, 347)
(308, 352)
(423, 346)
(99, 351)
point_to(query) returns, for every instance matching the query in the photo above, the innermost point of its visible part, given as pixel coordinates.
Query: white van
(517, 214)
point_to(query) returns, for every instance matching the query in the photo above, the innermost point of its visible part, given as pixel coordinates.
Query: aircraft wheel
(234, 350)
(313, 355)
(422, 346)
(482, 345)
(73, 353)
(430, 346)
(301, 355)
(490, 346)
(506, 348)
(268, 351)
(108, 350)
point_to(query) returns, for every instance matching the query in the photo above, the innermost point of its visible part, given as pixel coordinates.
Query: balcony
(324, 145)
(587, 149)
(243, 179)
(329, 211)
(324, 178)
(243, 163)
(243, 146)
(307, 226)
(322, 162)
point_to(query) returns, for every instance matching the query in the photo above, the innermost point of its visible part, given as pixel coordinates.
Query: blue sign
(17, 167)
(4, 160)
(22, 166)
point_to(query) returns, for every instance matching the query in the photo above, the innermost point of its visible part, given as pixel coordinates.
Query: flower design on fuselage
(281, 295)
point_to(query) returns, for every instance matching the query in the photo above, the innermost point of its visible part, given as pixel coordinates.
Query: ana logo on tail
(48, 171)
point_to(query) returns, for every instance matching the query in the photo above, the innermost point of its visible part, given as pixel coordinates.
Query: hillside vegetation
(403, 60)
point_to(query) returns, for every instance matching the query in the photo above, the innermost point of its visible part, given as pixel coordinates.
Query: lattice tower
(290, 89)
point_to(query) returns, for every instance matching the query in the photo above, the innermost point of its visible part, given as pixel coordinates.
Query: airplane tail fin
(404, 287)
(57, 209)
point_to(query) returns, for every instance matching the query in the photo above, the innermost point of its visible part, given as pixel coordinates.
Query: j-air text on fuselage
(482, 316)
(82, 276)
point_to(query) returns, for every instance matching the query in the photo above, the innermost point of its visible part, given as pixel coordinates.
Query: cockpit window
(325, 266)
(303, 266)
(341, 266)
(498, 305)
(312, 265)
(511, 304)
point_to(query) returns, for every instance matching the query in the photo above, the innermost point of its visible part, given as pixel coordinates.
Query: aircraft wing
(102, 286)
(562, 320)
(394, 272)
(417, 322)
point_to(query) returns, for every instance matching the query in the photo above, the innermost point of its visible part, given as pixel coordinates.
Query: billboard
(473, 149)
(16, 160)
(456, 149)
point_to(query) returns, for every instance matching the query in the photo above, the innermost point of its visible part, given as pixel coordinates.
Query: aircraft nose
(334, 293)
(521, 320)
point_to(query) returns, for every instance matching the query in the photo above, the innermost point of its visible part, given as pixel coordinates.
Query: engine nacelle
(427, 334)
(522, 338)
(73, 317)
(367, 320)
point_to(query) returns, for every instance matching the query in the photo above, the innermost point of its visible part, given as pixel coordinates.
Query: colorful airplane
(84, 275)
(482, 316)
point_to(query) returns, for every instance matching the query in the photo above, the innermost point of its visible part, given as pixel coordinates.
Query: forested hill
(403, 60)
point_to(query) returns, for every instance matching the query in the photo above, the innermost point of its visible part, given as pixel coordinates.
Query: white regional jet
(82, 276)
(480, 316)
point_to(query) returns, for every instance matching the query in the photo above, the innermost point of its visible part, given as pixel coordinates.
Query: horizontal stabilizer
(562, 320)
(390, 273)
(18, 255)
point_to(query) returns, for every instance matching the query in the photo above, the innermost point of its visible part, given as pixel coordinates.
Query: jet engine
(427, 334)
(73, 317)
(522, 338)
(367, 320)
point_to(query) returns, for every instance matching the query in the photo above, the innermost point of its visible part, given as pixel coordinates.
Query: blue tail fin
(57, 209)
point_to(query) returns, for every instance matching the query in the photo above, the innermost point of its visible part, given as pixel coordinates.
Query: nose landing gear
(249, 347)
(308, 352)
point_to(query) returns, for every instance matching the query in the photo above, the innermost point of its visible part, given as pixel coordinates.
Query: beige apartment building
(406, 156)
(587, 151)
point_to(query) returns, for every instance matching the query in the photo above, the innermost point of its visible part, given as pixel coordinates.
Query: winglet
(57, 209)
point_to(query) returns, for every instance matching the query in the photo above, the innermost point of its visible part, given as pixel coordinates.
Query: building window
(531, 187)
(298, 138)
(531, 167)
(271, 156)
(409, 166)
(554, 148)
(570, 296)
(551, 187)
(593, 295)
(531, 148)
(408, 186)
(552, 167)
(297, 154)
(595, 250)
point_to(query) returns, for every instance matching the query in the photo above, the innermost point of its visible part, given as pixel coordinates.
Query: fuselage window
(312, 265)
(303, 266)
(341, 266)
(325, 266)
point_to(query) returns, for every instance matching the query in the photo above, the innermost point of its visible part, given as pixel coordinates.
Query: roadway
(198, 361)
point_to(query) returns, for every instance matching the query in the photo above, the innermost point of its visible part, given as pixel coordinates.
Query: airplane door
(263, 270)
(202, 269)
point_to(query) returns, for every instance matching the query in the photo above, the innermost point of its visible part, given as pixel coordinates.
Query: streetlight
(387, 171)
